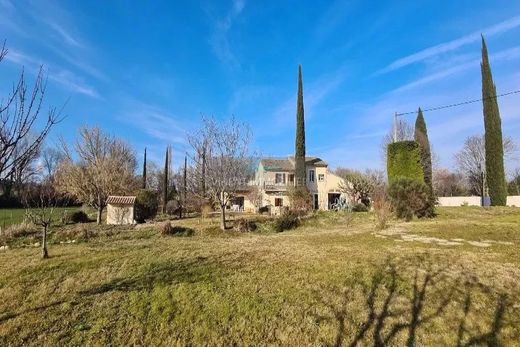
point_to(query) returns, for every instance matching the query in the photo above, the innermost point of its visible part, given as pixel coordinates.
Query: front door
(316, 202)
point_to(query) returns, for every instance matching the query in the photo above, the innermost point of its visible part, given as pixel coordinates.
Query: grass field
(335, 280)
(10, 216)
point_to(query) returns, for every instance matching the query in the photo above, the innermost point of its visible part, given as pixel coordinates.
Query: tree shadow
(193, 270)
(11, 315)
(404, 296)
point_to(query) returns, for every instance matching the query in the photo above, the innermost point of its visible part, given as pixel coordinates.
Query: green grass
(10, 216)
(334, 280)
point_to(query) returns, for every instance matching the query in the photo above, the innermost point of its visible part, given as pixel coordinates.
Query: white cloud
(499, 28)
(155, 122)
(64, 77)
(219, 40)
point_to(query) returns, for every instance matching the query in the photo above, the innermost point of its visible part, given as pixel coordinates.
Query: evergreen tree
(144, 169)
(299, 156)
(165, 182)
(495, 175)
(421, 137)
(185, 184)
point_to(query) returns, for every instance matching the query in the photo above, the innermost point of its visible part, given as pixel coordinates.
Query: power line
(459, 104)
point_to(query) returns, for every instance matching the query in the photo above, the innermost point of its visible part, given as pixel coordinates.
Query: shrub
(146, 205)
(74, 217)
(205, 210)
(404, 160)
(382, 209)
(300, 199)
(19, 230)
(168, 229)
(173, 207)
(263, 209)
(245, 225)
(288, 220)
(410, 197)
(359, 207)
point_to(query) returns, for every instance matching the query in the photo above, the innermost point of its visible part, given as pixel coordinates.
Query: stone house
(120, 210)
(275, 176)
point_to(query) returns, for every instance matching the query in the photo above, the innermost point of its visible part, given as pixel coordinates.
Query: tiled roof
(121, 200)
(277, 164)
(287, 164)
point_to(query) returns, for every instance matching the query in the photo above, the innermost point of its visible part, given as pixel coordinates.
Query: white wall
(473, 200)
(120, 214)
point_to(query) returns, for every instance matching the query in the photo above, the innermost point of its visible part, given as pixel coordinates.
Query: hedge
(404, 160)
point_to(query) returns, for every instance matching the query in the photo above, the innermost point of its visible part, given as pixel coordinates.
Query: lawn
(10, 216)
(335, 280)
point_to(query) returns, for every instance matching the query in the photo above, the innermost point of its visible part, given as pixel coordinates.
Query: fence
(513, 200)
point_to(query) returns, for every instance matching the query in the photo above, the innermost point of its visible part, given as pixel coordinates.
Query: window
(291, 178)
(279, 178)
(311, 175)
(321, 177)
(278, 202)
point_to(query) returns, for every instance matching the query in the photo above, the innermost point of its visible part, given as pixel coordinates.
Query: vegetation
(287, 220)
(228, 160)
(410, 198)
(360, 186)
(421, 137)
(404, 160)
(101, 165)
(324, 283)
(300, 174)
(75, 217)
(146, 205)
(144, 170)
(471, 160)
(495, 173)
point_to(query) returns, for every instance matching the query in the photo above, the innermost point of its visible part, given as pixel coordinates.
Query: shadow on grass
(165, 273)
(395, 307)
(10, 315)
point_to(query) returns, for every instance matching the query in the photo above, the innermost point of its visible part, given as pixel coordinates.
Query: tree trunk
(223, 217)
(45, 253)
(99, 214)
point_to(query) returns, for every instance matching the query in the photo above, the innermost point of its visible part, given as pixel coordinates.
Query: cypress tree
(144, 169)
(299, 156)
(165, 182)
(421, 137)
(495, 175)
(185, 184)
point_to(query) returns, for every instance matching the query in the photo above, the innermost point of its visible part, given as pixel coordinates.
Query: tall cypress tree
(421, 137)
(495, 175)
(144, 169)
(299, 155)
(185, 184)
(165, 182)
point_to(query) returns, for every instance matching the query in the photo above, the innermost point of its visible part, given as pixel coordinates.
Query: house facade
(274, 178)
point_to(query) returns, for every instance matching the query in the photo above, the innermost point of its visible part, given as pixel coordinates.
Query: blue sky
(147, 71)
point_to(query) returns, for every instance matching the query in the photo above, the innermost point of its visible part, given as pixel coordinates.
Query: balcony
(277, 187)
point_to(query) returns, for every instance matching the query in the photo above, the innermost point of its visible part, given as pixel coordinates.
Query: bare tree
(19, 139)
(255, 196)
(105, 166)
(42, 211)
(471, 160)
(447, 183)
(228, 163)
(401, 130)
(359, 186)
(51, 158)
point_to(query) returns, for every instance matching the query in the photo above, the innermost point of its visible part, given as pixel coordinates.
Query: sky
(148, 71)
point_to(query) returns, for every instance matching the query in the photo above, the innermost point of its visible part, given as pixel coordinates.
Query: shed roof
(121, 200)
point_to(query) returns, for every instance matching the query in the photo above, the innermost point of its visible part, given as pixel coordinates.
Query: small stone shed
(120, 210)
